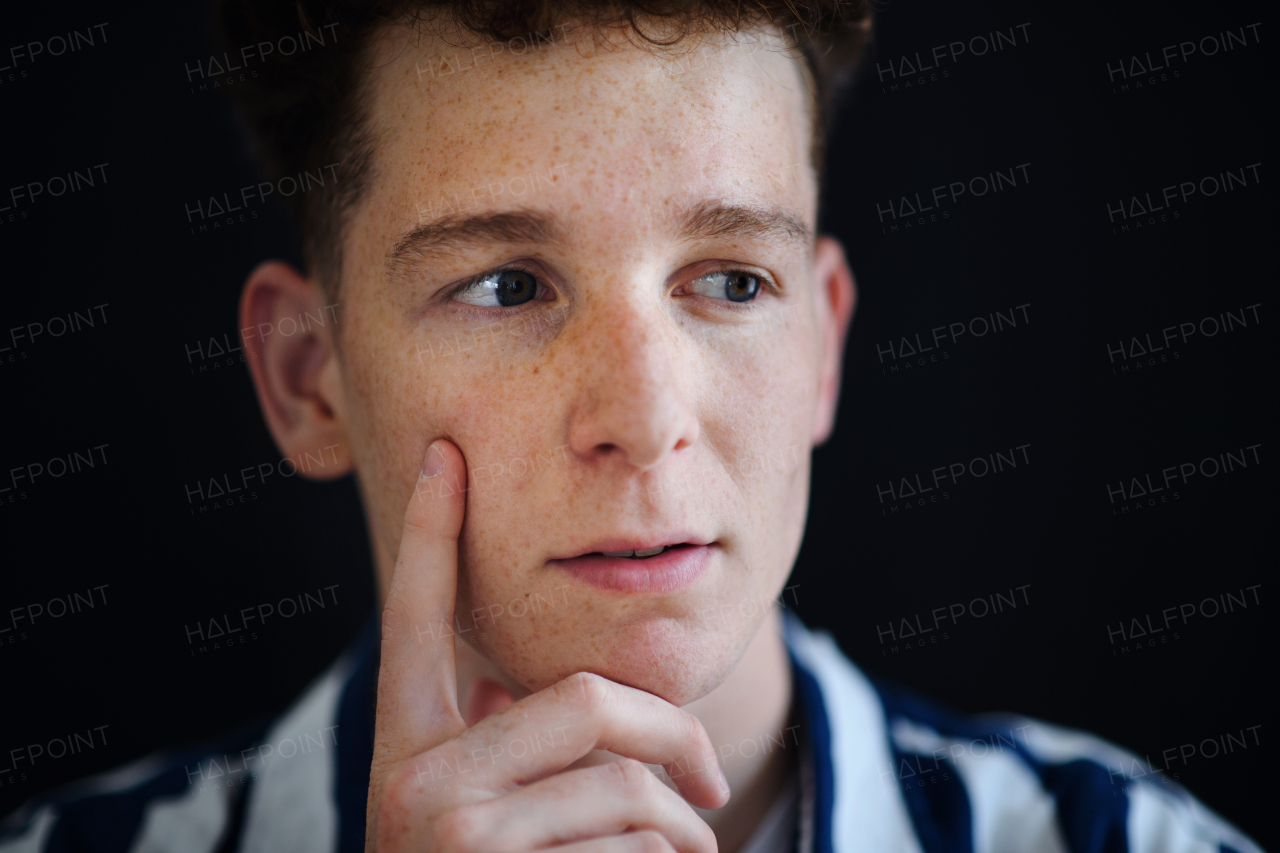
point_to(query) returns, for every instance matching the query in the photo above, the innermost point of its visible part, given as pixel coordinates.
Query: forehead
(460, 121)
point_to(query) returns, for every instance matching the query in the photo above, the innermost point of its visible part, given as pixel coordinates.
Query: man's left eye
(733, 285)
(503, 289)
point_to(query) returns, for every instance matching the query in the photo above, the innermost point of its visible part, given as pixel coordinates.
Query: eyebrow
(454, 232)
(710, 219)
(701, 221)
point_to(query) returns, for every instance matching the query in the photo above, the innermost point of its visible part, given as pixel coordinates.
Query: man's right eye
(502, 289)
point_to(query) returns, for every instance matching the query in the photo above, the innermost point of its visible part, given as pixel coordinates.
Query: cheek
(512, 437)
(758, 416)
(762, 433)
(399, 403)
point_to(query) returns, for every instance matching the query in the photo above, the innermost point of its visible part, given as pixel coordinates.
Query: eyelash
(767, 285)
(490, 311)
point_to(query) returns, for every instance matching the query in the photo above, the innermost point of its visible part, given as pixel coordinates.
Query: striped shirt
(880, 771)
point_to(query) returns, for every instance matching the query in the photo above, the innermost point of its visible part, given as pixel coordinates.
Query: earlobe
(837, 294)
(288, 334)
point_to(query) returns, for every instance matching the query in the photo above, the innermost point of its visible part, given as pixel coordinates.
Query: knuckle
(395, 803)
(694, 734)
(650, 841)
(458, 830)
(585, 691)
(417, 523)
(631, 776)
(397, 789)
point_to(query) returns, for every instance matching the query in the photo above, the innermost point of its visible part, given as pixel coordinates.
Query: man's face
(608, 389)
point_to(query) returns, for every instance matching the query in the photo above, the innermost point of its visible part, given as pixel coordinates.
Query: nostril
(639, 428)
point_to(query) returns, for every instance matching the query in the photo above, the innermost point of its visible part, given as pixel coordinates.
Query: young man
(587, 336)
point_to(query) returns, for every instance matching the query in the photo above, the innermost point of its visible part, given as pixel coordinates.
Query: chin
(660, 656)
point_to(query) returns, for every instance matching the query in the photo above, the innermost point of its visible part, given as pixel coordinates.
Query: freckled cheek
(527, 640)
(512, 438)
(508, 431)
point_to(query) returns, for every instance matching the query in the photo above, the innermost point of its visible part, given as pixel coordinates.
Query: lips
(667, 567)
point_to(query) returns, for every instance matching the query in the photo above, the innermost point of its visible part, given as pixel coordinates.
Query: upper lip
(637, 543)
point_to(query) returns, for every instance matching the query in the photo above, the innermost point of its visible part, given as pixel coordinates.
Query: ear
(837, 295)
(289, 334)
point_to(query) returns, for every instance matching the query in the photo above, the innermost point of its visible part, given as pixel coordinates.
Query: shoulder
(934, 779)
(269, 786)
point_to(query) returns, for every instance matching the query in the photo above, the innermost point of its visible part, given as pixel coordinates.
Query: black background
(170, 418)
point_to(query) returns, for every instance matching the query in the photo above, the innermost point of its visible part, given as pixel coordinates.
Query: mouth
(646, 552)
(649, 568)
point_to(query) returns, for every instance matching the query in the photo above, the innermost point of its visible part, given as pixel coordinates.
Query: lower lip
(666, 572)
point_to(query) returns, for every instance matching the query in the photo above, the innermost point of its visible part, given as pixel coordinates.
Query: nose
(634, 403)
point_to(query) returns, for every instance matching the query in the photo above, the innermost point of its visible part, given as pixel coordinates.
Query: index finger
(417, 680)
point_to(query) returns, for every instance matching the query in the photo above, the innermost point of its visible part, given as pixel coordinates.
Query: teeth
(648, 552)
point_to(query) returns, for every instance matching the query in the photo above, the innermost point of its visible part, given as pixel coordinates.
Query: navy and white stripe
(882, 771)
(906, 775)
(224, 797)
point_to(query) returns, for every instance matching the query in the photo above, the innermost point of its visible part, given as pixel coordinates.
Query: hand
(502, 785)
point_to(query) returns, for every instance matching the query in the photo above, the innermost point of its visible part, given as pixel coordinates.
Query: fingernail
(724, 783)
(433, 464)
